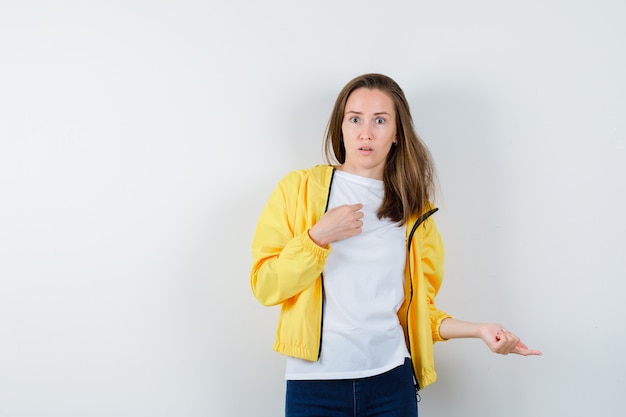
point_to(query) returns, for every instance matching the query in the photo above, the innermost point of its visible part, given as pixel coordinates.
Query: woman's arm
(495, 336)
(285, 260)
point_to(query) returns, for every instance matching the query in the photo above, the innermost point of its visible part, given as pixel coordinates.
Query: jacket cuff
(437, 323)
(319, 252)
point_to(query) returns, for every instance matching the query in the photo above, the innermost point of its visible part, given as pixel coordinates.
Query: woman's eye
(379, 121)
(354, 119)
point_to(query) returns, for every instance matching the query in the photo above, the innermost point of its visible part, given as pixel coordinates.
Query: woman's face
(369, 131)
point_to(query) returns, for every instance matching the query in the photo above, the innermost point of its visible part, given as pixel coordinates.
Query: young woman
(352, 255)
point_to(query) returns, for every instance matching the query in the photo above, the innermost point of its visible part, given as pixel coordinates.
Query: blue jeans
(391, 394)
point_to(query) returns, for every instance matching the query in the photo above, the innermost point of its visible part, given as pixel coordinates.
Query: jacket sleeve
(432, 263)
(285, 260)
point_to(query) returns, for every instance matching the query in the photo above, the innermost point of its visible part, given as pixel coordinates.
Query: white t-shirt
(363, 291)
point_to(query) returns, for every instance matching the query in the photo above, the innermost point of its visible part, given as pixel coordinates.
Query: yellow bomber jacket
(287, 270)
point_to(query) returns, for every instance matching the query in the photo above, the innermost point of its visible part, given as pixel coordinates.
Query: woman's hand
(503, 341)
(338, 223)
(494, 335)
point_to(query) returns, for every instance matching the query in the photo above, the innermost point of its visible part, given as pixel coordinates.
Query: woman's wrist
(319, 242)
(454, 329)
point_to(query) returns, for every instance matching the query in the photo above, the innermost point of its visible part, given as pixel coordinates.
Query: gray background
(139, 141)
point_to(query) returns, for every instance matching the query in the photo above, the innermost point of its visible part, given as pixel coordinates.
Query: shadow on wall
(477, 176)
(233, 332)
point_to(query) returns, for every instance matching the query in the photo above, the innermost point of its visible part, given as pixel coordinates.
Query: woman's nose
(366, 132)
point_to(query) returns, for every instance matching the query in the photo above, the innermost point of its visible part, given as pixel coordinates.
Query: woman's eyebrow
(375, 114)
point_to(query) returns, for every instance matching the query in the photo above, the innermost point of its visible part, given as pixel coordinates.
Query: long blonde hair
(409, 174)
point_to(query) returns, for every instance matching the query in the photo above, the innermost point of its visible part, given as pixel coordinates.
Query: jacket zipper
(418, 222)
(319, 351)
